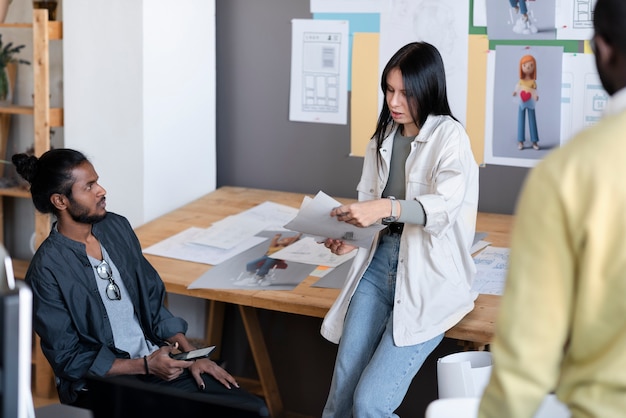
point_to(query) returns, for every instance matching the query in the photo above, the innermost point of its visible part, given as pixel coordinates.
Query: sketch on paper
(408, 21)
(319, 71)
(583, 97)
(491, 268)
(574, 19)
(583, 14)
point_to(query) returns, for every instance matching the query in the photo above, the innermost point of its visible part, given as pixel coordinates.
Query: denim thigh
(366, 319)
(372, 374)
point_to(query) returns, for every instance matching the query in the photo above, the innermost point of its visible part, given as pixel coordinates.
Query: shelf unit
(44, 118)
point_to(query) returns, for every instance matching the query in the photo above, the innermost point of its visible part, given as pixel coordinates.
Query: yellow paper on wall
(476, 94)
(365, 85)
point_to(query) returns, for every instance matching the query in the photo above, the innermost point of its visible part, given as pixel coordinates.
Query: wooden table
(476, 328)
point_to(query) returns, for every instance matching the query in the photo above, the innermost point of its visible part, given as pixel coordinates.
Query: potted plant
(7, 58)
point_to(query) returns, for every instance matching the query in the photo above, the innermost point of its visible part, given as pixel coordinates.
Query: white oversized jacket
(435, 267)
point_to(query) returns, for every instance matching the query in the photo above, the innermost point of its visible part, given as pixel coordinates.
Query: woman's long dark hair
(424, 80)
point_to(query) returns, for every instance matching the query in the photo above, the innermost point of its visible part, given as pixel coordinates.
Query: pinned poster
(319, 71)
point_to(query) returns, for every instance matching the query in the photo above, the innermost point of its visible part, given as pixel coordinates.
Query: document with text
(314, 218)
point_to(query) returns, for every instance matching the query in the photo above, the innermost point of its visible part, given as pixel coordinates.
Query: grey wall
(257, 146)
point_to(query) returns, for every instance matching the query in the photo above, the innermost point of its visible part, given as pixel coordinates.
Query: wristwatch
(394, 211)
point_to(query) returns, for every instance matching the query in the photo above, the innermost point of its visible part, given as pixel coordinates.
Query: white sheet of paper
(314, 218)
(234, 230)
(479, 245)
(583, 97)
(272, 215)
(230, 232)
(308, 250)
(491, 265)
(422, 20)
(347, 6)
(480, 13)
(574, 19)
(319, 71)
(179, 247)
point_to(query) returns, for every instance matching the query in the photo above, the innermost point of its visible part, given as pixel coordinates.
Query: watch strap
(394, 211)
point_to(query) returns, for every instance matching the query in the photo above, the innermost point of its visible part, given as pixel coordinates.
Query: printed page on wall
(574, 19)
(423, 20)
(583, 97)
(347, 6)
(319, 71)
(521, 20)
(523, 104)
(482, 51)
(542, 84)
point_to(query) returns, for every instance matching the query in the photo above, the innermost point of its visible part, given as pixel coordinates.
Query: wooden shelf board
(55, 29)
(17, 110)
(17, 25)
(15, 192)
(56, 113)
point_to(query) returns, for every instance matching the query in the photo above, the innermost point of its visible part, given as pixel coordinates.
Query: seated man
(98, 303)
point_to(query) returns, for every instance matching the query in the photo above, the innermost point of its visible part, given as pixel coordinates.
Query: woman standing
(414, 283)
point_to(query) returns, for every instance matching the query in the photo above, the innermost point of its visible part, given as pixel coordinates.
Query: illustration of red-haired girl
(526, 90)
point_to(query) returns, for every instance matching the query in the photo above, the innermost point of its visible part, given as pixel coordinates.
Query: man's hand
(165, 367)
(208, 366)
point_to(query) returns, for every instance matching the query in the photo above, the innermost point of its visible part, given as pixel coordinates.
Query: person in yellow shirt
(562, 323)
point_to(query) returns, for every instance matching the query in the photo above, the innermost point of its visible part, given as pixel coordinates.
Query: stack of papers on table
(491, 267)
(225, 238)
(257, 268)
(314, 218)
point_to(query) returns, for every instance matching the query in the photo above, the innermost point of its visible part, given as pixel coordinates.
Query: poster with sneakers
(521, 19)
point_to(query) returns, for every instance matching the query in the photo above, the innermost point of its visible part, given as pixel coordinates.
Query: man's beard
(81, 214)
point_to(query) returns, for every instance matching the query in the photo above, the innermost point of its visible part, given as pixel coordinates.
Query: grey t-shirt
(412, 211)
(127, 332)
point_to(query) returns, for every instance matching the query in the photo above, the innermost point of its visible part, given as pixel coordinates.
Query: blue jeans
(522, 5)
(372, 375)
(532, 121)
(266, 263)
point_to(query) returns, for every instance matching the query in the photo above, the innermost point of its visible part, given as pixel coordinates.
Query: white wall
(139, 92)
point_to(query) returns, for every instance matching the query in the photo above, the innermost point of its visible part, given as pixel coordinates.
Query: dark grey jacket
(69, 315)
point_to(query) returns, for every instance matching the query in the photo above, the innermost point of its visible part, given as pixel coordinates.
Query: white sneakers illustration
(522, 24)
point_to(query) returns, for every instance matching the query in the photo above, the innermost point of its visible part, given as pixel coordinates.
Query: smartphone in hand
(193, 354)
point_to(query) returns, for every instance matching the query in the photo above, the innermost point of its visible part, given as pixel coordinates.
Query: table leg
(215, 325)
(262, 361)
